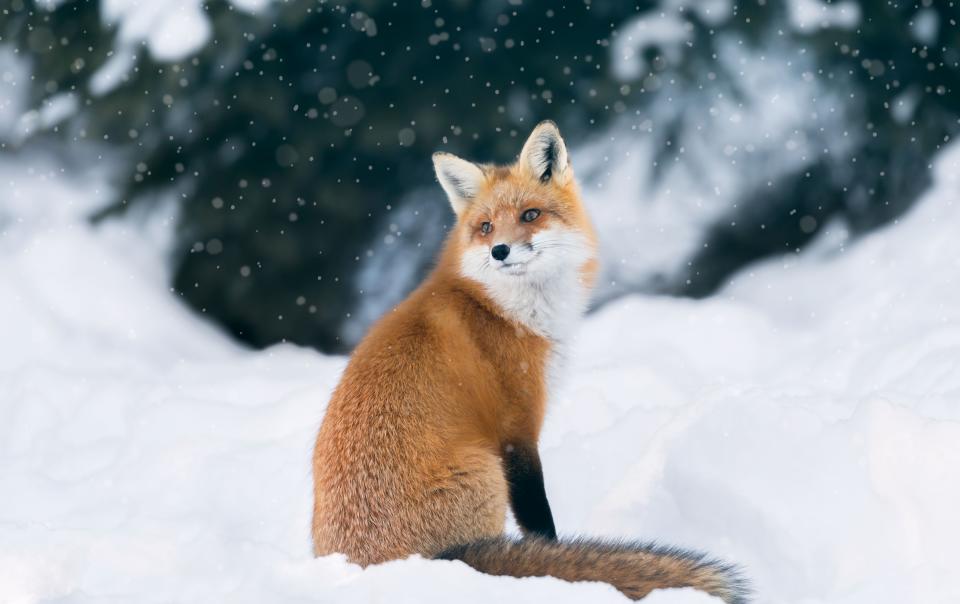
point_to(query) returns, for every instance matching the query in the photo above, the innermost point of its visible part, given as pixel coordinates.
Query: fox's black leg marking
(527, 495)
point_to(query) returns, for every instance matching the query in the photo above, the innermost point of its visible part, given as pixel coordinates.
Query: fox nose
(500, 251)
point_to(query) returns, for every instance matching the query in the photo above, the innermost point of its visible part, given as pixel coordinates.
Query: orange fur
(408, 457)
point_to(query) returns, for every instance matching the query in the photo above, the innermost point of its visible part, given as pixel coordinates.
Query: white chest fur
(551, 308)
(546, 293)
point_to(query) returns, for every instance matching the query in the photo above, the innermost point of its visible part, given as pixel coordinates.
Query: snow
(807, 15)
(13, 71)
(803, 423)
(666, 30)
(663, 30)
(171, 30)
(114, 71)
(17, 121)
(924, 26)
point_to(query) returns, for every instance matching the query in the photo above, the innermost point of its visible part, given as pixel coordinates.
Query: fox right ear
(545, 154)
(459, 178)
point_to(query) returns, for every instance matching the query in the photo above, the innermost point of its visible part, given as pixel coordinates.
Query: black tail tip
(737, 588)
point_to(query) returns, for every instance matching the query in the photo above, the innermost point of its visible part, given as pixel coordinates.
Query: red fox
(433, 429)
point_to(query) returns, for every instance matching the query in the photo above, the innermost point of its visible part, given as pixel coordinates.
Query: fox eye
(486, 227)
(530, 215)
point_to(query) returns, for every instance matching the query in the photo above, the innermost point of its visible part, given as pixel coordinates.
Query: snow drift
(804, 423)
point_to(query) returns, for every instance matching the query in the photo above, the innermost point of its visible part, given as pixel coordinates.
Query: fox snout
(500, 251)
(507, 254)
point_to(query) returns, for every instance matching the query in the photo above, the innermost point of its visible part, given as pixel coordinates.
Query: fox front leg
(528, 498)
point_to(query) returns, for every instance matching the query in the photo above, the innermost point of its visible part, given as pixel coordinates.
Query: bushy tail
(635, 569)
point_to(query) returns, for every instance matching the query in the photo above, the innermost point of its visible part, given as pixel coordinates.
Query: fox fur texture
(432, 432)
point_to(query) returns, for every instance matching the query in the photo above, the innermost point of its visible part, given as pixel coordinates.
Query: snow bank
(804, 423)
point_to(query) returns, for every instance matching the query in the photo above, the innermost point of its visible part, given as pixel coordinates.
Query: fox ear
(545, 154)
(459, 178)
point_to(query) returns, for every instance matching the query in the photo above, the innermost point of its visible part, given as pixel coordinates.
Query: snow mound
(804, 423)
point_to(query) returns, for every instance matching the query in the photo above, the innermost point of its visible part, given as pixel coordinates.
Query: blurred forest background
(294, 136)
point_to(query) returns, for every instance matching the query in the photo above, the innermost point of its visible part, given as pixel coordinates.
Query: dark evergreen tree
(294, 133)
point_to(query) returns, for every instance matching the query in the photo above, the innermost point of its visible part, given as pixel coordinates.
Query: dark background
(296, 140)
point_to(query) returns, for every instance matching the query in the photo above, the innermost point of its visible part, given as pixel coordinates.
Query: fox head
(522, 226)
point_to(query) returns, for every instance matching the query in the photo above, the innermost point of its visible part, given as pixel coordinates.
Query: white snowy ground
(804, 423)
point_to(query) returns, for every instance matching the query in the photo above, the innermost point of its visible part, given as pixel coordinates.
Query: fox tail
(635, 569)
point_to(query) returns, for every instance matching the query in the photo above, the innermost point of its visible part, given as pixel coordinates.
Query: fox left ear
(545, 153)
(460, 179)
